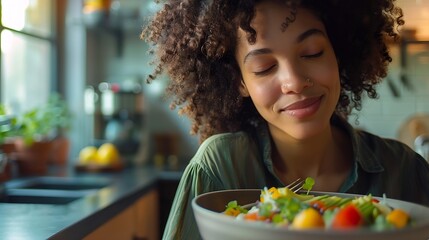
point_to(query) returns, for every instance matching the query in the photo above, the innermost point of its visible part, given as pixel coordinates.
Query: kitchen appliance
(118, 116)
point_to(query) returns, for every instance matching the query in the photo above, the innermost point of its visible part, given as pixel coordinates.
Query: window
(27, 58)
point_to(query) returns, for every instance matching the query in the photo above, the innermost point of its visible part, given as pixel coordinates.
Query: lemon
(108, 154)
(88, 155)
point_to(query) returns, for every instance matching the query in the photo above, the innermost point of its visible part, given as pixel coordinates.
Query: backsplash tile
(384, 116)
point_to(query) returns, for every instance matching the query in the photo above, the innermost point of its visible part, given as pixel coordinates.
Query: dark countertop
(80, 217)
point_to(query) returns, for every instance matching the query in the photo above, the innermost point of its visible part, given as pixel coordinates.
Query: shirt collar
(265, 145)
(362, 153)
(363, 156)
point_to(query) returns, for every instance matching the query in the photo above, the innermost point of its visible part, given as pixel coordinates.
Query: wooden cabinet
(147, 218)
(140, 221)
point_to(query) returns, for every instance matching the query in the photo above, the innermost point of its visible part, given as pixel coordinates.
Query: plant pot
(60, 151)
(6, 173)
(5, 169)
(33, 160)
(8, 149)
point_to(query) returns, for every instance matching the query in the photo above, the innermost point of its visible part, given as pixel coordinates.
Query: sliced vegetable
(319, 205)
(347, 217)
(286, 192)
(255, 216)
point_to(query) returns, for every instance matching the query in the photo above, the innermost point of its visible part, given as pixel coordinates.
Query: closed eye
(264, 72)
(313, 55)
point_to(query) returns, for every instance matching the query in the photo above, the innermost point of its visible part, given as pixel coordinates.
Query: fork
(294, 186)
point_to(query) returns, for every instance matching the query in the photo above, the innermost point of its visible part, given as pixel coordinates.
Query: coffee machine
(118, 116)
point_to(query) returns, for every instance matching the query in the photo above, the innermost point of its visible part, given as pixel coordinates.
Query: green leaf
(232, 204)
(308, 184)
(265, 209)
(290, 207)
(278, 219)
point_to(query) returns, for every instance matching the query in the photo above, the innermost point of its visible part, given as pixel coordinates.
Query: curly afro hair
(195, 40)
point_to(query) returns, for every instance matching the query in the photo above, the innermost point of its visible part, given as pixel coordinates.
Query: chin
(306, 131)
(302, 135)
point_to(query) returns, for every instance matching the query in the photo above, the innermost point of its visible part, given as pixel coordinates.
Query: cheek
(335, 82)
(332, 83)
(263, 95)
(331, 79)
(329, 76)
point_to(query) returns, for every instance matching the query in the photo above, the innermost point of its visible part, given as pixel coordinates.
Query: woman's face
(275, 71)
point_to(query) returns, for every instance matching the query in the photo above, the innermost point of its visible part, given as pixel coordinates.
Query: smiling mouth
(302, 104)
(304, 108)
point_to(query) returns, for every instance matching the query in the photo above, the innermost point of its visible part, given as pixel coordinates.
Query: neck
(321, 157)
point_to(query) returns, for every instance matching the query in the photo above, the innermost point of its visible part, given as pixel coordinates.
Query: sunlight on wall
(416, 16)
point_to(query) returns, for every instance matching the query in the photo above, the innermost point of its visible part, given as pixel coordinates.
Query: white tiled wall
(385, 115)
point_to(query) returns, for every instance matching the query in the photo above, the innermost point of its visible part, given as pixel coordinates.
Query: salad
(284, 208)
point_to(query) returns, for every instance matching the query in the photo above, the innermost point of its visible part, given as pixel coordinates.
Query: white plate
(216, 226)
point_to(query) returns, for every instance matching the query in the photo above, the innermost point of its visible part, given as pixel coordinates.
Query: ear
(243, 89)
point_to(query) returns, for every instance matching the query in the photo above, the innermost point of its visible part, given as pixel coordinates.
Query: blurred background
(90, 52)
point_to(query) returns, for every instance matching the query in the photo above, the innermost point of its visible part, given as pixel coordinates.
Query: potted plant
(36, 133)
(60, 123)
(33, 141)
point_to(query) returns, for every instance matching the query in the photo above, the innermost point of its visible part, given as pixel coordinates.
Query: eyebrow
(308, 33)
(300, 38)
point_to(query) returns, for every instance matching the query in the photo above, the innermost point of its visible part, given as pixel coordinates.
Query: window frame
(55, 65)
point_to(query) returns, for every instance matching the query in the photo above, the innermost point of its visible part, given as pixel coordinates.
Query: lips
(302, 104)
(303, 108)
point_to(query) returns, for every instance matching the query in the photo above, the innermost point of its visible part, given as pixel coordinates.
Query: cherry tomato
(347, 217)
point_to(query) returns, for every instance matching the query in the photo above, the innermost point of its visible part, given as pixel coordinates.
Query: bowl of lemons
(104, 158)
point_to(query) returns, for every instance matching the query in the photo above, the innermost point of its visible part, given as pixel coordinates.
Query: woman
(268, 86)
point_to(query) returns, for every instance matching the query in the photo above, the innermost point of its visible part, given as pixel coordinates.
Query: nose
(297, 85)
(294, 82)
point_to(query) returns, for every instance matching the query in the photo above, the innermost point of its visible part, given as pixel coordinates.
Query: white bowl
(213, 225)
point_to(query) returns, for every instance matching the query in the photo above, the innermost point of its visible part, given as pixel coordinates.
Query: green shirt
(243, 160)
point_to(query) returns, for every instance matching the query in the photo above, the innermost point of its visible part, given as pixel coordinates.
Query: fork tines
(296, 185)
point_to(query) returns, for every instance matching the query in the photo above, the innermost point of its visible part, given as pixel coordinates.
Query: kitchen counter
(80, 217)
